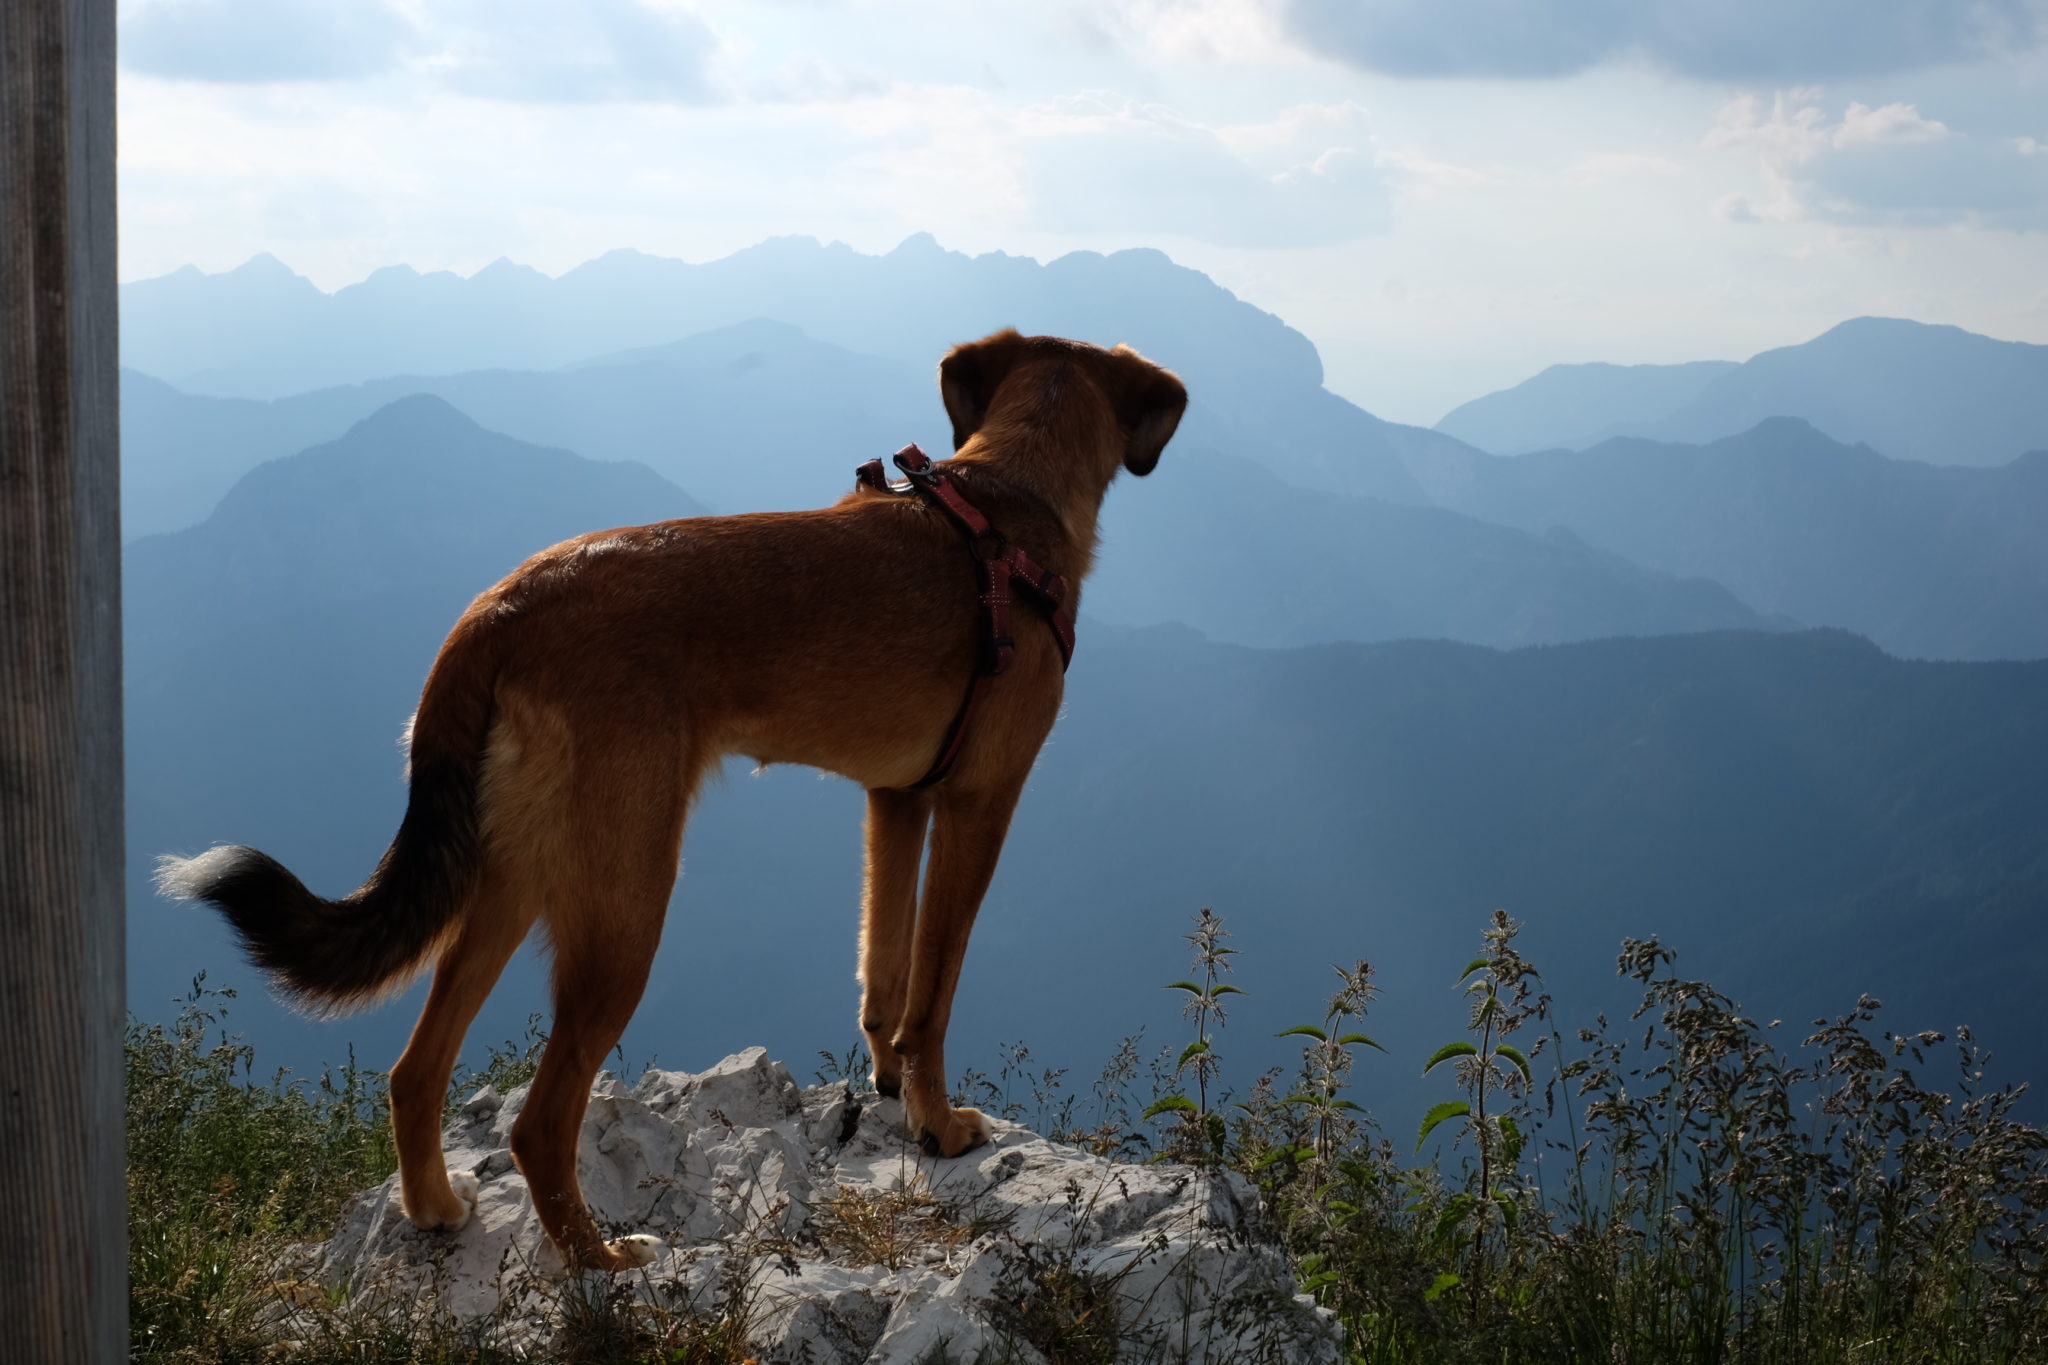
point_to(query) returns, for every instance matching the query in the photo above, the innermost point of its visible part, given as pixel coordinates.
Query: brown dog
(575, 706)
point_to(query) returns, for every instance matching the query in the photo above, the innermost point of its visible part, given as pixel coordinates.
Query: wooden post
(63, 1205)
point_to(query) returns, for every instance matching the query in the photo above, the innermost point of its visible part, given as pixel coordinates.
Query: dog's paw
(959, 1131)
(630, 1253)
(449, 1214)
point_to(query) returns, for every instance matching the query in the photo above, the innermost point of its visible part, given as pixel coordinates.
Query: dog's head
(1143, 400)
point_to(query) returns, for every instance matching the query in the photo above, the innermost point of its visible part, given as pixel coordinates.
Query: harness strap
(1000, 569)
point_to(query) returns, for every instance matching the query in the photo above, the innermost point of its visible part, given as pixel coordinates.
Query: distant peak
(919, 244)
(1144, 255)
(263, 265)
(789, 244)
(412, 414)
(1786, 423)
(1873, 323)
(1891, 329)
(505, 268)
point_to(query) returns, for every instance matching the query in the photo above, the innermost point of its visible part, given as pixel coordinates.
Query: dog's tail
(335, 955)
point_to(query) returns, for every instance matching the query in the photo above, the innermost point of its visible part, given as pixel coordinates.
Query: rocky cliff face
(803, 1219)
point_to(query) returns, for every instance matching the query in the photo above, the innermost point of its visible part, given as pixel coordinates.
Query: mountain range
(1929, 561)
(1351, 683)
(1767, 802)
(761, 417)
(263, 332)
(1909, 390)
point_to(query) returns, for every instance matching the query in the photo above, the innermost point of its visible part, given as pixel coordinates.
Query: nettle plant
(1504, 991)
(1197, 1134)
(1333, 1121)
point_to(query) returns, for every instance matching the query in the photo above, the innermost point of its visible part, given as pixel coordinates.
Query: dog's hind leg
(967, 838)
(598, 982)
(496, 921)
(604, 918)
(896, 826)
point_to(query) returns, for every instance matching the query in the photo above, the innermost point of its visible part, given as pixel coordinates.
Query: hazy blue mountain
(1572, 405)
(1802, 816)
(1218, 543)
(416, 493)
(1927, 561)
(759, 417)
(1910, 390)
(755, 416)
(180, 452)
(261, 332)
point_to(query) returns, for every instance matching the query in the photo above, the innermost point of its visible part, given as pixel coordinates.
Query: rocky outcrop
(803, 1219)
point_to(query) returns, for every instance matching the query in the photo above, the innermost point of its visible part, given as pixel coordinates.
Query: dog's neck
(1025, 454)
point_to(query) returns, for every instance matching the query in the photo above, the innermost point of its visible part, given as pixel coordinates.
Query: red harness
(1000, 567)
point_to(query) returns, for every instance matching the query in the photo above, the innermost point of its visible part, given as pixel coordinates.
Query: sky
(1446, 196)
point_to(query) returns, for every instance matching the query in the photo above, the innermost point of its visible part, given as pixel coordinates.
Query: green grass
(1687, 1185)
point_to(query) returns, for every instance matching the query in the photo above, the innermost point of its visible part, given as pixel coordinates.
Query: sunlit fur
(576, 706)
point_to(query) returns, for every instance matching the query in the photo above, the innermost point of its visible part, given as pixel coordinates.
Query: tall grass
(1686, 1185)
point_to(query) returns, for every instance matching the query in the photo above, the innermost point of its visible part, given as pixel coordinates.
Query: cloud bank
(532, 51)
(1883, 166)
(1745, 40)
(1094, 164)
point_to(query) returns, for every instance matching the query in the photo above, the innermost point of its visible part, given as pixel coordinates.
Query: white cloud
(1889, 125)
(249, 41)
(1887, 164)
(1708, 39)
(536, 51)
(593, 50)
(1097, 164)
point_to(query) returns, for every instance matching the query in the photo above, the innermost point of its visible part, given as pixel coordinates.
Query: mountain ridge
(1931, 392)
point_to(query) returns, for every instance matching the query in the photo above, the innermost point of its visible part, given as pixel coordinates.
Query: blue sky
(1446, 195)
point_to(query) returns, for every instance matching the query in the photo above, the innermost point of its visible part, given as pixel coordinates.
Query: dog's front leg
(896, 826)
(967, 838)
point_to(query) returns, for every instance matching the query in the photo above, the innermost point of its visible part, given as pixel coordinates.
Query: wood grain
(63, 1243)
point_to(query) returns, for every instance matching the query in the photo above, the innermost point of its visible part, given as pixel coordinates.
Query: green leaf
(1225, 990)
(1190, 987)
(1449, 1109)
(1514, 1054)
(1194, 1049)
(1448, 1051)
(1444, 1281)
(1509, 1210)
(1474, 965)
(1306, 1030)
(1168, 1104)
(1453, 1214)
(1350, 1039)
(1511, 1137)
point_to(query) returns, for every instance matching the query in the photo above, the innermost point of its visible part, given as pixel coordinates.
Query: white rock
(732, 1169)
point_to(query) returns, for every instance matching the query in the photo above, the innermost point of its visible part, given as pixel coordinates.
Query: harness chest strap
(1007, 565)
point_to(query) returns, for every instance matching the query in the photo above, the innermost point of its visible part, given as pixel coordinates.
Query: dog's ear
(970, 375)
(1149, 402)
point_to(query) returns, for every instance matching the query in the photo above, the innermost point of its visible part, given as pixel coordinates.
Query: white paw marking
(466, 1188)
(641, 1248)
